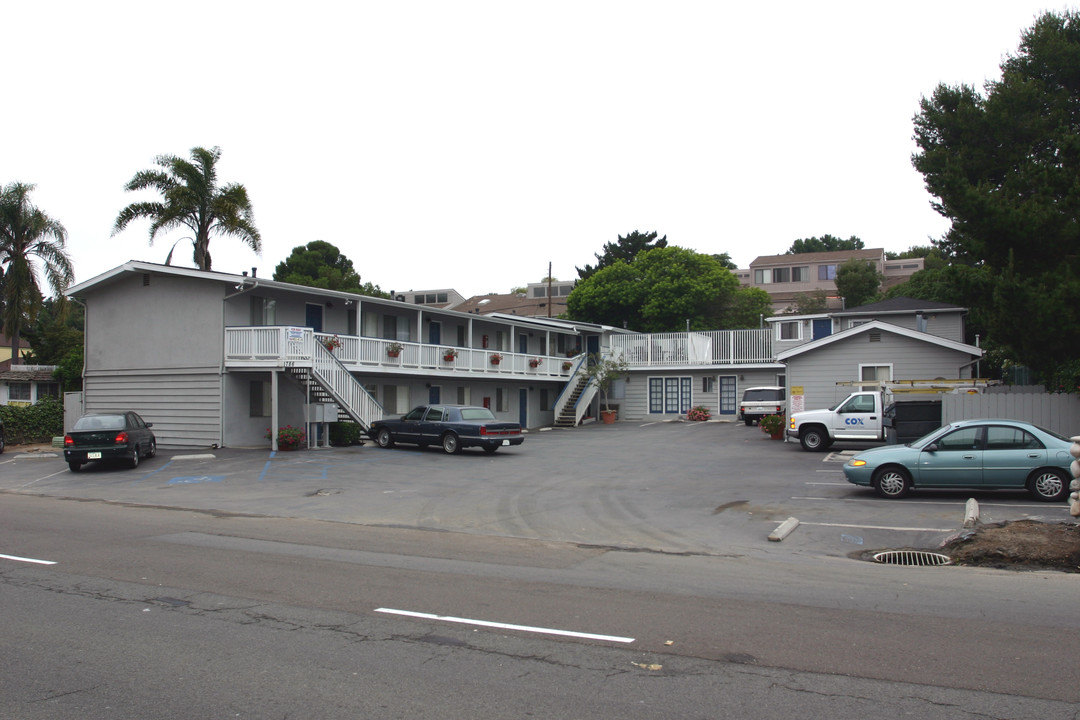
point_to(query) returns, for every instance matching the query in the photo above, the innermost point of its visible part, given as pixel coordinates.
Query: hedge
(36, 423)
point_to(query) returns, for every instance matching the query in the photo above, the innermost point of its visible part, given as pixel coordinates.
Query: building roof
(903, 305)
(25, 373)
(514, 304)
(878, 325)
(819, 257)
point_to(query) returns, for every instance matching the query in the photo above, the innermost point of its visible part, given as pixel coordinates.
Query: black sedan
(452, 426)
(109, 436)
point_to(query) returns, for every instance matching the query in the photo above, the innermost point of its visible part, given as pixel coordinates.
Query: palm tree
(28, 237)
(192, 199)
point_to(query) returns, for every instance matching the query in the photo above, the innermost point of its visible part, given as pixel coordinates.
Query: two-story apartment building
(785, 277)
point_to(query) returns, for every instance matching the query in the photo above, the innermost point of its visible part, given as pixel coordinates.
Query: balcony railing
(716, 347)
(276, 346)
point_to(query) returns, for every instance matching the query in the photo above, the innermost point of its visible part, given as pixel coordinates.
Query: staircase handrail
(346, 390)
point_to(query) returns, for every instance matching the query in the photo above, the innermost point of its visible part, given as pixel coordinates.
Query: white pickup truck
(857, 417)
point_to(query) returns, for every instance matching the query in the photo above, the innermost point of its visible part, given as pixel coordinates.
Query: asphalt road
(618, 571)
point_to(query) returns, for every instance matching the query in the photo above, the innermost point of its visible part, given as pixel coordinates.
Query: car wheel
(384, 438)
(74, 466)
(749, 422)
(892, 482)
(1048, 485)
(134, 461)
(814, 439)
(450, 444)
(490, 449)
(153, 449)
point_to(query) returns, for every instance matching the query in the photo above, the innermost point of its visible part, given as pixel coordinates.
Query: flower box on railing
(394, 349)
(535, 363)
(449, 354)
(496, 358)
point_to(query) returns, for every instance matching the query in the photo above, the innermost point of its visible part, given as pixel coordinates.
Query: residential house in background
(26, 384)
(538, 300)
(785, 277)
(447, 298)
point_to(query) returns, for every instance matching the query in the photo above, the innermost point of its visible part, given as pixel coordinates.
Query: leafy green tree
(1004, 167)
(320, 264)
(825, 243)
(659, 291)
(623, 251)
(810, 303)
(29, 240)
(858, 282)
(191, 199)
(725, 260)
(748, 307)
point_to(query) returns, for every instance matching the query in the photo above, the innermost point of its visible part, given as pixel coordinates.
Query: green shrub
(345, 433)
(36, 423)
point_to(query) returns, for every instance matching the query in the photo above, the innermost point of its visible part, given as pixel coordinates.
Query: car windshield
(477, 413)
(100, 422)
(762, 395)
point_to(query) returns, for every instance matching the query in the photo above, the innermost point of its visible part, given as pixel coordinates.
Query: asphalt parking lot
(712, 488)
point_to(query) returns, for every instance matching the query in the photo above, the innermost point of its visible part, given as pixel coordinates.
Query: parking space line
(27, 560)
(506, 626)
(59, 472)
(880, 527)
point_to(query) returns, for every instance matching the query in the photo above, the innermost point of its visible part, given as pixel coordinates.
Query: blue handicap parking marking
(195, 479)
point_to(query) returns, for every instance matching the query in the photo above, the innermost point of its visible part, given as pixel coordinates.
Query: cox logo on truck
(853, 421)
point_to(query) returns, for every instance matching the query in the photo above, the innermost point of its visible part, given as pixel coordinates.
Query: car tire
(451, 445)
(384, 439)
(153, 449)
(814, 439)
(892, 482)
(749, 422)
(134, 461)
(74, 466)
(1048, 485)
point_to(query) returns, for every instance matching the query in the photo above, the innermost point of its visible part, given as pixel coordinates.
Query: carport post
(273, 410)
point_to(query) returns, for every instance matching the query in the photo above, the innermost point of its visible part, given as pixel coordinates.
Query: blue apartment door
(435, 333)
(728, 403)
(434, 395)
(313, 317)
(822, 328)
(523, 407)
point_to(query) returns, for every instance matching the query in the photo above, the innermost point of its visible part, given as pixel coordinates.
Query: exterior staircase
(328, 381)
(574, 401)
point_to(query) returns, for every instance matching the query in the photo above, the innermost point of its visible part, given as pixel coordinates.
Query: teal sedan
(976, 454)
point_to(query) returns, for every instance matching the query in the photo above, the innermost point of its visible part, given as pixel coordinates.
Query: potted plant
(535, 363)
(331, 343)
(394, 349)
(603, 371)
(449, 354)
(288, 437)
(567, 365)
(773, 425)
(496, 358)
(699, 413)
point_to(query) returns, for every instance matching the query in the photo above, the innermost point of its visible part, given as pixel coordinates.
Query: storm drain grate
(912, 557)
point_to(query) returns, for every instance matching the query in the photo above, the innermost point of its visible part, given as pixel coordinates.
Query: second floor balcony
(280, 346)
(713, 347)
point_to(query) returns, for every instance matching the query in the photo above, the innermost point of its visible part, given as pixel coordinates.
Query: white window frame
(798, 330)
(886, 366)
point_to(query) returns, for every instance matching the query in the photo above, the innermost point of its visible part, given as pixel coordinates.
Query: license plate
(93, 456)
(506, 442)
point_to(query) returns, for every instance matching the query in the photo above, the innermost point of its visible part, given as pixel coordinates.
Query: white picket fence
(1054, 411)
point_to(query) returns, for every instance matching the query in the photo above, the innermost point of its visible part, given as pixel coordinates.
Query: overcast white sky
(468, 144)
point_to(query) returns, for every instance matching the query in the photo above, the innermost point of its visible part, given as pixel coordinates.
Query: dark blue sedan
(981, 454)
(452, 426)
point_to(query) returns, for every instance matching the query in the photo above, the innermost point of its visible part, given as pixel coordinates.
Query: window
(708, 384)
(502, 403)
(963, 439)
(19, 391)
(545, 399)
(762, 277)
(875, 372)
(858, 404)
(47, 389)
(259, 401)
(826, 272)
(263, 311)
(463, 396)
(395, 399)
(1008, 438)
(395, 328)
(800, 274)
(670, 395)
(780, 275)
(790, 330)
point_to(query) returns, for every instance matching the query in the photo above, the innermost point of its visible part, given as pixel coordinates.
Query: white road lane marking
(27, 560)
(59, 472)
(881, 527)
(505, 626)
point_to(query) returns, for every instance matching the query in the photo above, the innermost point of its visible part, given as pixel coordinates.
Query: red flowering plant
(289, 438)
(698, 413)
(331, 343)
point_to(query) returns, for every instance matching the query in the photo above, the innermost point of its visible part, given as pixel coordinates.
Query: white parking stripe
(27, 560)
(505, 626)
(881, 527)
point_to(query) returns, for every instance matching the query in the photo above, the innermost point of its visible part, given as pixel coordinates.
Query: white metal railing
(714, 347)
(577, 372)
(347, 391)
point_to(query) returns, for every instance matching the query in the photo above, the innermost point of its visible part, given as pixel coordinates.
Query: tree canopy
(192, 200)
(1004, 166)
(858, 282)
(825, 243)
(662, 289)
(30, 241)
(622, 251)
(320, 264)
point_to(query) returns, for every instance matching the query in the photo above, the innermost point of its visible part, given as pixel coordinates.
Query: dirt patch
(1019, 545)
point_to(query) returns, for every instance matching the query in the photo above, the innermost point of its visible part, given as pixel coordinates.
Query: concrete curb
(971, 513)
(784, 529)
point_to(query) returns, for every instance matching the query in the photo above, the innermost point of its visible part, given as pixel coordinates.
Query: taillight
(121, 438)
(68, 442)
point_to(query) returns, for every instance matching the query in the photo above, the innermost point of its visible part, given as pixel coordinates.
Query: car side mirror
(932, 447)
(149, 425)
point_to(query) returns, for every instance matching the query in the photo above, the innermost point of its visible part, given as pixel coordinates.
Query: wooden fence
(1054, 411)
